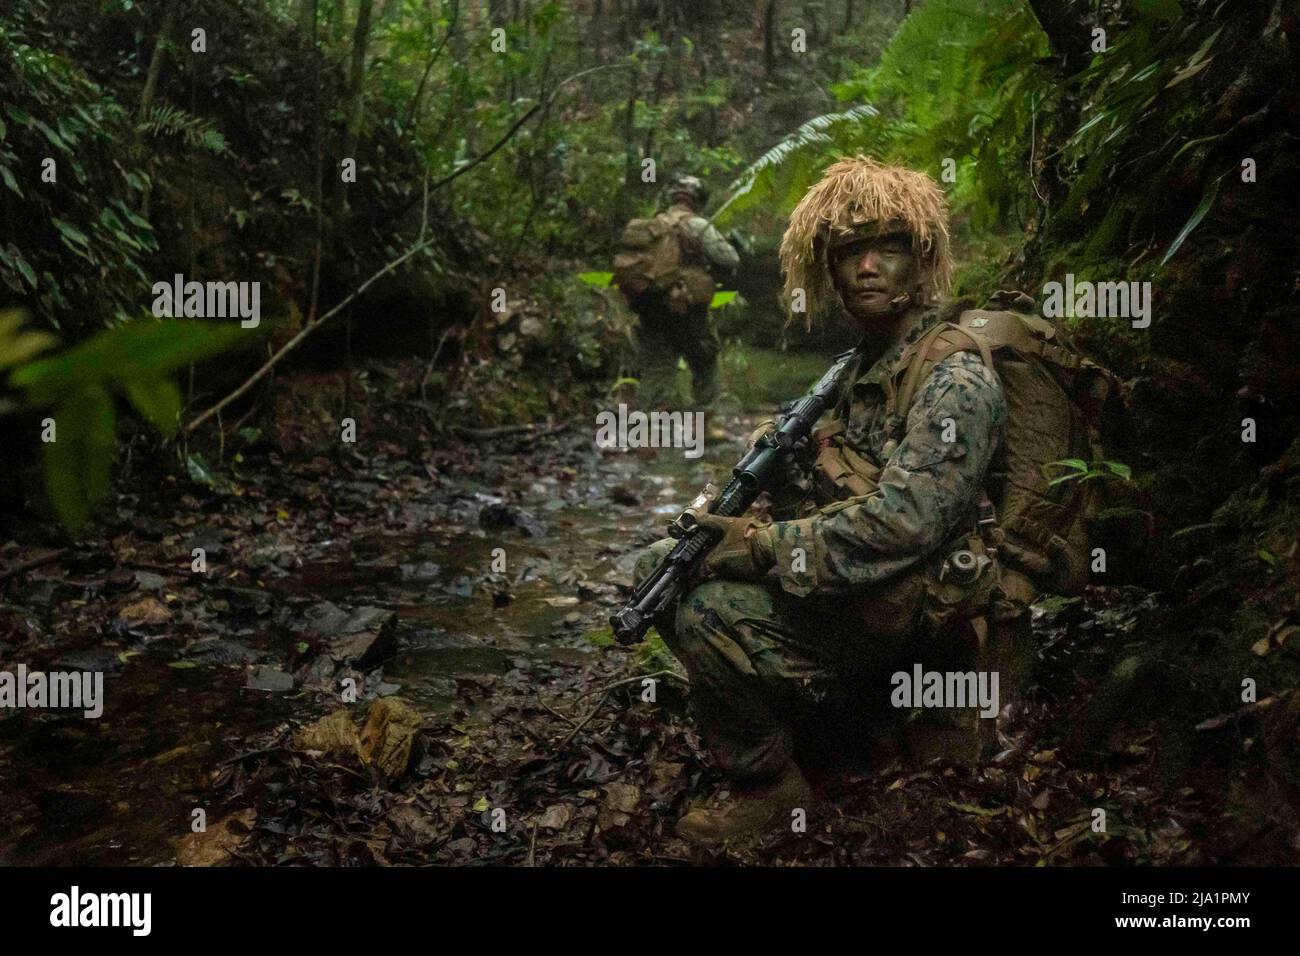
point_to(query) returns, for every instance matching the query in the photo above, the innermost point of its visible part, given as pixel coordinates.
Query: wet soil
(472, 580)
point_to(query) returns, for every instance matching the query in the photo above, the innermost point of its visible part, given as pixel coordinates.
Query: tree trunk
(769, 41)
(356, 96)
(598, 30)
(156, 61)
(1065, 31)
(629, 127)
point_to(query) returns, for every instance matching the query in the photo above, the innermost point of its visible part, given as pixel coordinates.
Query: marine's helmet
(687, 189)
(858, 196)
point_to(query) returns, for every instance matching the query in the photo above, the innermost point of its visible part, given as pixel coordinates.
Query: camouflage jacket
(720, 257)
(928, 487)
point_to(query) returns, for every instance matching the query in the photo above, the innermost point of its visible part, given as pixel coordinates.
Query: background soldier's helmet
(858, 196)
(687, 189)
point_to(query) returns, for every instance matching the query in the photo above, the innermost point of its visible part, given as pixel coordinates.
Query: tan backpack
(1055, 398)
(651, 261)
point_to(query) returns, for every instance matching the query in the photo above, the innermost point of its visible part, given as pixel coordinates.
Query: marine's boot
(749, 812)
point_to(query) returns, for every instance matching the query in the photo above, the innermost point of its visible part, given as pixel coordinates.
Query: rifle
(751, 476)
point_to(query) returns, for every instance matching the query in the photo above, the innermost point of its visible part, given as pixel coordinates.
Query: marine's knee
(650, 558)
(714, 604)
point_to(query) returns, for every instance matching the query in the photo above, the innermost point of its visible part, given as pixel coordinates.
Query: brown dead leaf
(217, 843)
(147, 610)
(388, 736)
(622, 797)
(556, 817)
(333, 733)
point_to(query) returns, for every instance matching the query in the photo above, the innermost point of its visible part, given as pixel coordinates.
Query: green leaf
(17, 346)
(198, 470)
(1211, 193)
(1078, 464)
(143, 349)
(182, 665)
(619, 383)
(77, 463)
(24, 268)
(158, 400)
(1120, 469)
(598, 279)
(8, 177)
(722, 298)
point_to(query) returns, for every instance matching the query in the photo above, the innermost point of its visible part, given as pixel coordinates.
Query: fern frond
(168, 120)
(809, 142)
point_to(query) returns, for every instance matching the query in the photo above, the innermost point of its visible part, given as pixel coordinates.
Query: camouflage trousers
(663, 337)
(775, 678)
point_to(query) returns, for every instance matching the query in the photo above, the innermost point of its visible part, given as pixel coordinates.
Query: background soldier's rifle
(751, 476)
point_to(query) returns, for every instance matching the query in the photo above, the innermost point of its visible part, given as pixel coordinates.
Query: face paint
(876, 275)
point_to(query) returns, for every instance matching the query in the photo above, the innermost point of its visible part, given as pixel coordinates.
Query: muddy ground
(511, 730)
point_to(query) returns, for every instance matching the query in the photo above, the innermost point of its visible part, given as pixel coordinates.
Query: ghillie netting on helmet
(855, 193)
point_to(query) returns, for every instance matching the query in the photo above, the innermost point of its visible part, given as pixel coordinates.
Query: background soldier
(666, 269)
(788, 616)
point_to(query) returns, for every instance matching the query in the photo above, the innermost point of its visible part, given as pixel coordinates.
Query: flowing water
(119, 789)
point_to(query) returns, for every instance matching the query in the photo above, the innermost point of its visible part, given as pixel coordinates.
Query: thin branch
(522, 120)
(49, 557)
(312, 326)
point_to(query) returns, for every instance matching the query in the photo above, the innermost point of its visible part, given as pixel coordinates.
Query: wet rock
(389, 735)
(317, 672)
(148, 581)
(211, 540)
(120, 579)
(252, 601)
(92, 660)
(424, 571)
(462, 587)
(623, 495)
(218, 650)
(270, 679)
(361, 637)
(501, 515)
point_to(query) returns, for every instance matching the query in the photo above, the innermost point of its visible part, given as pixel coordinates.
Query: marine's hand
(742, 553)
(764, 428)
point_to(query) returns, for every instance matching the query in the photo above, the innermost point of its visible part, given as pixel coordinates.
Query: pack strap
(937, 344)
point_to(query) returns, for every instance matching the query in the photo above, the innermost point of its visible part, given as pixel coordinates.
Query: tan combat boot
(749, 812)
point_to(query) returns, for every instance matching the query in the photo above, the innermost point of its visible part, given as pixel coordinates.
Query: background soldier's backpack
(652, 260)
(1057, 401)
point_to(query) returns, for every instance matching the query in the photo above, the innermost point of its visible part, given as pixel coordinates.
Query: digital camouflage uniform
(802, 660)
(665, 335)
